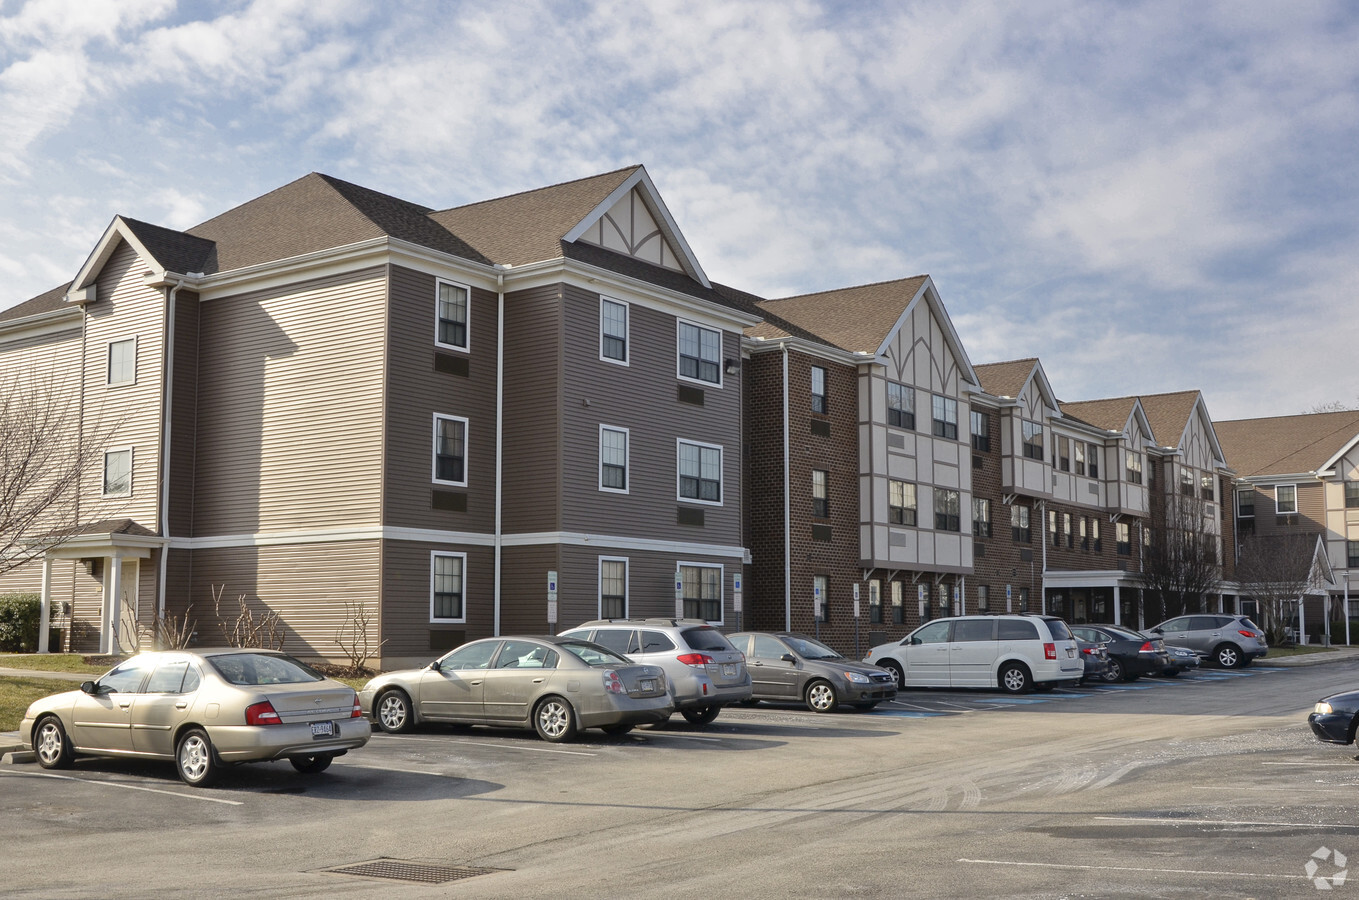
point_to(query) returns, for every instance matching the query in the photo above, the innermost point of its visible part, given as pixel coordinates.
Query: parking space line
(1087, 867)
(1233, 823)
(126, 787)
(495, 744)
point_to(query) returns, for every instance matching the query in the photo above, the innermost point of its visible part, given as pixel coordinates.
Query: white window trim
(131, 468)
(108, 363)
(721, 585)
(466, 450)
(627, 332)
(721, 348)
(1294, 510)
(468, 289)
(435, 554)
(599, 582)
(627, 459)
(721, 472)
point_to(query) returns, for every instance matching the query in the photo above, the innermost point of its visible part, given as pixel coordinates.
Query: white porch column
(113, 607)
(1302, 619)
(45, 614)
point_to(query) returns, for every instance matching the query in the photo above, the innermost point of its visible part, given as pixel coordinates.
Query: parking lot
(1205, 785)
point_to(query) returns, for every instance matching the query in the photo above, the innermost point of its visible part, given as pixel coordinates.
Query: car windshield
(810, 649)
(594, 654)
(263, 668)
(705, 637)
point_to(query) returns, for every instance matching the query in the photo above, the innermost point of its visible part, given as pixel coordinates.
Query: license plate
(728, 670)
(1070, 653)
(648, 684)
(322, 729)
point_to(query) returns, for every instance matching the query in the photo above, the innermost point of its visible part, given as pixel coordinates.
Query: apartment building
(509, 416)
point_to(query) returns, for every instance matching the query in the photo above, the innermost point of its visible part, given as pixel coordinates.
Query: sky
(1147, 196)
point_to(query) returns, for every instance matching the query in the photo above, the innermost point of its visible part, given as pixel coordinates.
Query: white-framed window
(700, 472)
(819, 390)
(450, 450)
(1285, 499)
(1094, 460)
(900, 405)
(901, 504)
(945, 417)
(981, 517)
(981, 431)
(452, 315)
(1033, 440)
(613, 331)
(1207, 487)
(1133, 466)
(947, 510)
(701, 591)
(1078, 447)
(613, 459)
(447, 576)
(820, 493)
(700, 353)
(613, 587)
(118, 472)
(122, 362)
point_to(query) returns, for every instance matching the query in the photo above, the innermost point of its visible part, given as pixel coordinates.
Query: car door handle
(539, 680)
(476, 682)
(125, 705)
(183, 704)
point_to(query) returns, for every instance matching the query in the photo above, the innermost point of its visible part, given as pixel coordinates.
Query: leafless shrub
(172, 632)
(248, 630)
(355, 639)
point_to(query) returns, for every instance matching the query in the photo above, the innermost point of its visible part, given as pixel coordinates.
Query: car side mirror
(788, 657)
(434, 666)
(89, 687)
(1157, 631)
(915, 641)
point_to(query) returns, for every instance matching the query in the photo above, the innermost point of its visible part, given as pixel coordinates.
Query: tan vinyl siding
(290, 407)
(416, 391)
(406, 587)
(533, 398)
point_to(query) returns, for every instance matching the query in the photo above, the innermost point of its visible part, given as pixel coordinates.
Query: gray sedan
(554, 685)
(788, 666)
(202, 709)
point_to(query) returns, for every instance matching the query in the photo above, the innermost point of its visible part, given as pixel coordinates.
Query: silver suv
(704, 670)
(1228, 641)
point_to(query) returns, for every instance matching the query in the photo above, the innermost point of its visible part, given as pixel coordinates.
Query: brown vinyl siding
(183, 412)
(406, 571)
(290, 407)
(416, 391)
(523, 589)
(533, 411)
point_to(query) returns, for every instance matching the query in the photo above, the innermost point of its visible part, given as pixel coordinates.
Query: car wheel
(1015, 679)
(310, 765)
(1228, 656)
(51, 744)
(195, 760)
(616, 730)
(554, 720)
(1115, 672)
(821, 697)
(393, 712)
(700, 715)
(866, 706)
(895, 668)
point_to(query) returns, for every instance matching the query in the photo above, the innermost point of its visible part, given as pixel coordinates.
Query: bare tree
(1328, 407)
(1183, 568)
(355, 638)
(1273, 569)
(47, 450)
(265, 631)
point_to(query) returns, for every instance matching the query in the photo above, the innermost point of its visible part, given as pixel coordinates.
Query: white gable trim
(82, 288)
(928, 295)
(1330, 464)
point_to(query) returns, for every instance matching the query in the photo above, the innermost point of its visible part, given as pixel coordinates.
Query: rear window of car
(593, 654)
(705, 637)
(1249, 624)
(260, 668)
(1016, 630)
(1059, 630)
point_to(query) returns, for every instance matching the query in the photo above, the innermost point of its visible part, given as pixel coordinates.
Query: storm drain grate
(400, 870)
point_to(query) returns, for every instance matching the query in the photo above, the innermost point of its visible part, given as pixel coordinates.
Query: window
(118, 473)
(820, 497)
(700, 353)
(701, 588)
(820, 594)
(818, 390)
(1186, 482)
(1123, 538)
(613, 330)
(1351, 494)
(901, 502)
(1019, 524)
(1133, 465)
(1079, 449)
(1094, 535)
(981, 517)
(450, 450)
(900, 406)
(898, 608)
(1052, 528)
(1094, 460)
(1033, 440)
(1023, 607)
(700, 472)
(947, 510)
(1063, 460)
(1286, 499)
(1206, 490)
(613, 588)
(1085, 533)
(983, 598)
(945, 417)
(1066, 529)
(1245, 503)
(981, 431)
(875, 602)
(446, 587)
(452, 328)
(613, 459)
(1352, 548)
(122, 368)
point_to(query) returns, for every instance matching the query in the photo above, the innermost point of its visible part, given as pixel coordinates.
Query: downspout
(499, 427)
(167, 396)
(787, 510)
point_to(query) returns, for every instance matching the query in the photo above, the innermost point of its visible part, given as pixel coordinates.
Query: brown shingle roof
(1005, 379)
(174, 250)
(1111, 414)
(854, 319)
(1285, 445)
(47, 301)
(1168, 415)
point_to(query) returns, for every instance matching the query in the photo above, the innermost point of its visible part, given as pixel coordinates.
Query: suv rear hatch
(724, 663)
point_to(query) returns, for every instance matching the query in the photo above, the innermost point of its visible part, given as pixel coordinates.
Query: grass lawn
(17, 693)
(52, 662)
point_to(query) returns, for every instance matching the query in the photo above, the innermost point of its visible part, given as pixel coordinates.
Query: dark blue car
(1333, 719)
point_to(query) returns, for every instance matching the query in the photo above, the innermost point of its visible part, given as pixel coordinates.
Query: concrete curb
(1310, 659)
(13, 750)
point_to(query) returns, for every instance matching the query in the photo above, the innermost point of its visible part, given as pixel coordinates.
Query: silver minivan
(1013, 652)
(1227, 641)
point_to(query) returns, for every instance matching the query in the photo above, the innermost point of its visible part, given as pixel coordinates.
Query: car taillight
(262, 713)
(1089, 650)
(1147, 648)
(697, 660)
(1049, 651)
(1250, 634)
(357, 711)
(612, 683)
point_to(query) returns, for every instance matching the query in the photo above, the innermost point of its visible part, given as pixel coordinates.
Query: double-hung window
(947, 510)
(613, 331)
(1186, 482)
(981, 517)
(122, 364)
(1078, 449)
(700, 472)
(820, 493)
(818, 390)
(945, 417)
(1019, 525)
(1094, 536)
(1094, 460)
(446, 587)
(900, 405)
(1066, 527)
(452, 315)
(1286, 499)
(613, 588)
(118, 473)
(700, 353)
(1123, 538)
(1085, 533)
(1063, 460)
(901, 503)
(1352, 551)
(1133, 466)
(701, 590)
(1033, 440)
(1352, 495)
(981, 431)
(613, 459)
(450, 450)
(1206, 487)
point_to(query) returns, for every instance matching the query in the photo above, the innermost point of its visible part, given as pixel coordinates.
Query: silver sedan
(554, 685)
(203, 709)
